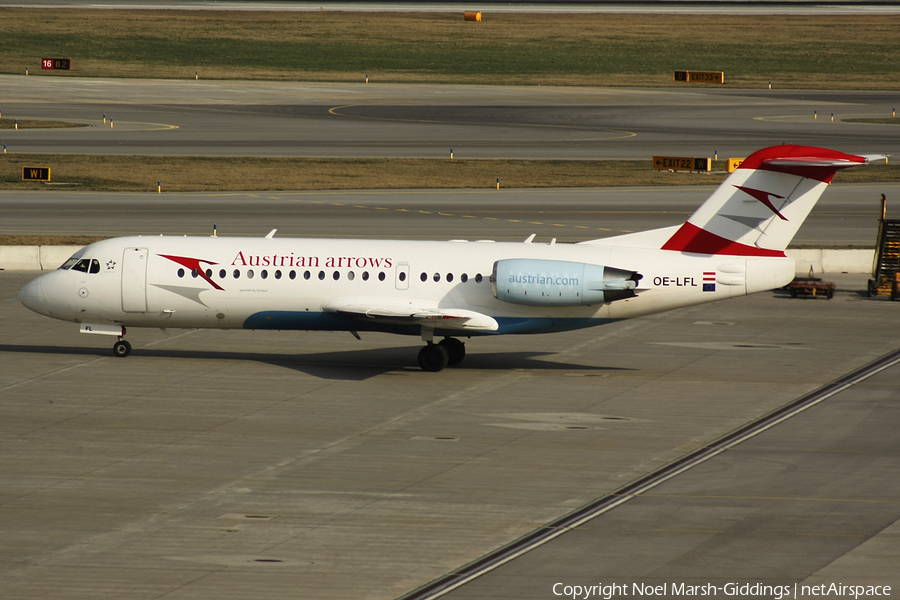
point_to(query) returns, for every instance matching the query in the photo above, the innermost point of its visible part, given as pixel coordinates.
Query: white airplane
(733, 245)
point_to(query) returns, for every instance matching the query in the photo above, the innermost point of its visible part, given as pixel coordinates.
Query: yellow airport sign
(35, 173)
(699, 76)
(734, 163)
(681, 163)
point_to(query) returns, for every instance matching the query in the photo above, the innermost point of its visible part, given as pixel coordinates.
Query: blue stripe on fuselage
(319, 321)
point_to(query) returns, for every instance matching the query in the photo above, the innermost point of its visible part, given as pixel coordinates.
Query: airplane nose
(32, 296)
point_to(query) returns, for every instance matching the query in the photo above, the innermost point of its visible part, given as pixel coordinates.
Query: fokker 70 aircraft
(733, 245)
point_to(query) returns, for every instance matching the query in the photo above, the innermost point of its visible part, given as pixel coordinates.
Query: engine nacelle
(536, 282)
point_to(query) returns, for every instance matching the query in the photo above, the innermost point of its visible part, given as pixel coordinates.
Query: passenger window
(293, 275)
(194, 273)
(180, 273)
(306, 275)
(365, 275)
(336, 275)
(351, 275)
(82, 265)
(424, 276)
(249, 273)
(95, 265)
(464, 278)
(321, 275)
(222, 273)
(381, 276)
(277, 274)
(449, 277)
(478, 278)
(237, 274)
(264, 274)
(402, 276)
(437, 277)
(209, 273)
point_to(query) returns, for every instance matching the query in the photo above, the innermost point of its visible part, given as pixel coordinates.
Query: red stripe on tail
(691, 238)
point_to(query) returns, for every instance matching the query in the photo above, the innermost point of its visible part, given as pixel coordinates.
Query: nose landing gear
(121, 349)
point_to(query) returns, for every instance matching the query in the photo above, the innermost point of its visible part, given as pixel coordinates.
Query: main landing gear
(449, 352)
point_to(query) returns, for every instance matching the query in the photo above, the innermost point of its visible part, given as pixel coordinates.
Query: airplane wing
(443, 318)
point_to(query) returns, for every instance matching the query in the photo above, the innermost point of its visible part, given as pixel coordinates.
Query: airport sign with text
(681, 163)
(57, 64)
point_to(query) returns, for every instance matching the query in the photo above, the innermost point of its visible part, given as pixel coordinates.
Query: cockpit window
(82, 265)
(69, 264)
(95, 265)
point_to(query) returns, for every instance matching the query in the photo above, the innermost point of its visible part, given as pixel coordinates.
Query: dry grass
(192, 174)
(34, 124)
(48, 240)
(819, 51)
(890, 121)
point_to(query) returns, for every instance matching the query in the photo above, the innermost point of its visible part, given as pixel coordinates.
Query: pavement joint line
(143, 522)
(608, 502)
(383, 426)
(776, 498)
(691, 530)
(850, 535)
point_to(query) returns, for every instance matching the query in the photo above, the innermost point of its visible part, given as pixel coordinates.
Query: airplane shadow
(348, 365)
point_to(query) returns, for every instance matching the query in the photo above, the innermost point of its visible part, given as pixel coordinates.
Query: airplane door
(134, 280)
(402, 277)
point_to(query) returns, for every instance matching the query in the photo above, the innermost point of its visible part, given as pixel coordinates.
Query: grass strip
(791, 51)
(34, 124)
(207, 174)
(49, 240)
(201, 174)
(888, 121)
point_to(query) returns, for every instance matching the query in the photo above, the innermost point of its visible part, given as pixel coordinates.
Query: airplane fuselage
(304, 284)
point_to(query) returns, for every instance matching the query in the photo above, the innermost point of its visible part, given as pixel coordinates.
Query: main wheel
(433, 357)
(121, 349)
(455, 349)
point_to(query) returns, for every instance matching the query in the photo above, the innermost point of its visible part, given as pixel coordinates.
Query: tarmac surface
(224, 464)
(845, 216)
(231, 118)
(234, 464)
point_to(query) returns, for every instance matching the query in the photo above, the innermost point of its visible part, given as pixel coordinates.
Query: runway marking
(158, 126)
(824, 118)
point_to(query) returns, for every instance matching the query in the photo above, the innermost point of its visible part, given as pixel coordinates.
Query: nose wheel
(121, 349)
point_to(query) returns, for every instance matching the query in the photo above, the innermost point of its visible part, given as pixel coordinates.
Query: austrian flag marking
(709, 281)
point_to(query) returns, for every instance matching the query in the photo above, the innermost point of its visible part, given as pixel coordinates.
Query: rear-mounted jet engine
(536, 282)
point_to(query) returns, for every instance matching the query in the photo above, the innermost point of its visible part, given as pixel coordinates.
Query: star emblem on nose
(110, 265)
